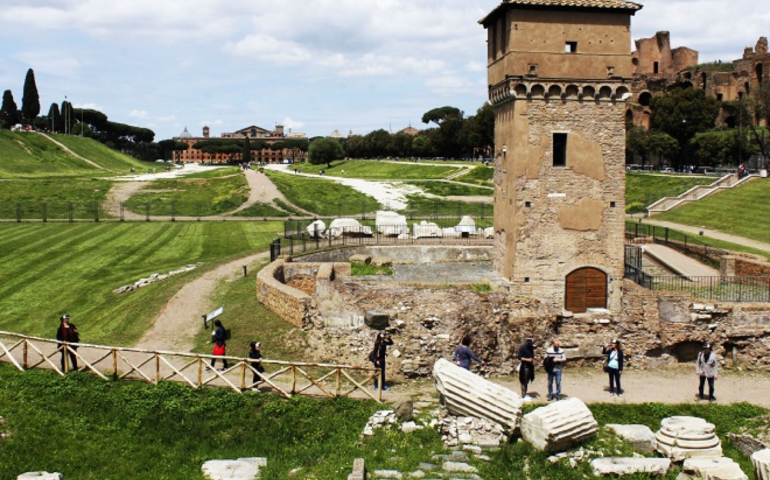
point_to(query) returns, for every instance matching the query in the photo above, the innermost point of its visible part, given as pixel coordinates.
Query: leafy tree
(649, 144)
(722, 148)
(297, 146)
(55, 120)
(479, 130)
(9, 112)
(67, 116)
(167, 147)
(423, 146)
(441, 114)
(377, 143)
(224, 146)
(325, 150)
(401, 144)
(447, 138)
(246, 151)
(30, 101)
(683, 112)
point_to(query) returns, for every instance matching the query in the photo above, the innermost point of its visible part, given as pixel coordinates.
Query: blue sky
(312, 65)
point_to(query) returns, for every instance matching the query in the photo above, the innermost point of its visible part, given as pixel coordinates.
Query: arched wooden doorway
(586, 288)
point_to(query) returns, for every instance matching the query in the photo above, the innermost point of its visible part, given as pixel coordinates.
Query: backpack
(371, 356)
(548, 363)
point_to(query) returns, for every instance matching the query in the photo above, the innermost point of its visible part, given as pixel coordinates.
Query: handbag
(218, 350)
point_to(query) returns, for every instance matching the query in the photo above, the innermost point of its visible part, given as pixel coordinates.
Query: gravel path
(66, 149)
(746, 242)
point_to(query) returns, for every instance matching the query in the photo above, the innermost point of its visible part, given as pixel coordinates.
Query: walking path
(678, 262)
(726, 237)
(66, 149)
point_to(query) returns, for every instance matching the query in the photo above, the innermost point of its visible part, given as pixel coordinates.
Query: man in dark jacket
(377, 357)
(527, 367)
(68, 332)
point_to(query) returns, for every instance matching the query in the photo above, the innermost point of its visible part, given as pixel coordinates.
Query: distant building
(336, 134)
(410, 130)
(253, 132)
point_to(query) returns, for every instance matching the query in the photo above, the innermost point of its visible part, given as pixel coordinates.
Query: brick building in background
(254, 133)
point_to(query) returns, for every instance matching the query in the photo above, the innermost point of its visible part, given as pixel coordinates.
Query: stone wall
(744, 265)
(403, 254)
(289, 303)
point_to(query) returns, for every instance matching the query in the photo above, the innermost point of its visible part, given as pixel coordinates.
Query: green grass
(374, 170)
(322, 197)
(208, 195)
(369, 269)
(248, 320)
(481, 175)
(740, 211)
(424, 207)
(215, 173)
(31, 194)
(91, 430)
(647, 188)
(101, 154)
(29, 155)
(73, 268)
(447, 189)
(286, 207)
(261, 210)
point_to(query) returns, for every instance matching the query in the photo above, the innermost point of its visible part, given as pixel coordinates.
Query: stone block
(382, 262)
(721, 468)
(465, 393)
(388, 474)
(640, 437)
(359, 470)
(458, 467)
(405, 411)
(682, 437)
(241, 469)
(559, 426)
(628, 466)
(761, 461)
(361, 258)
(40, 476)
(377, 320)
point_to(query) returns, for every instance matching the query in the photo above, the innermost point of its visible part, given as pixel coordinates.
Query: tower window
(570, 47)
(655, 67)
(559, 149)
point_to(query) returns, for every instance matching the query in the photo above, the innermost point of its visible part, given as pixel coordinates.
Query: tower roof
(617, 5)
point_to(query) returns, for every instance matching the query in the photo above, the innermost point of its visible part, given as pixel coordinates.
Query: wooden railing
(117, 363)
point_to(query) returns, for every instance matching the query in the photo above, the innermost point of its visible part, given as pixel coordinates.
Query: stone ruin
(559, 426)
(681, 437)
(761, 461)
(241, 469)
(155, 277)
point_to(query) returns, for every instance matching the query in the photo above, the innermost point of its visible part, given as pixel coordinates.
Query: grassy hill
(642, 189)
(741, 211)
(374, 170)
(30, 155)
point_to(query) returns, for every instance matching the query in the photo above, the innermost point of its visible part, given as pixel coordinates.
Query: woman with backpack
(218, 336)
(614, 366)
(377, 357)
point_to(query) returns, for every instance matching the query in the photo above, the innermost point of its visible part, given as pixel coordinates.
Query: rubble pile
(155, 277)
(470, 432)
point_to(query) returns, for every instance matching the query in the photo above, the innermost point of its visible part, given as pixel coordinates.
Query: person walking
(706, 368)
(256, 356)
(68, 332)
(377, 357)
(463, 354)
(218, 336)
(558, 357)
(614, 366)
(526, 358)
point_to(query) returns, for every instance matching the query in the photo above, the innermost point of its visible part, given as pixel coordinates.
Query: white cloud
(293, 125)
(143, 114)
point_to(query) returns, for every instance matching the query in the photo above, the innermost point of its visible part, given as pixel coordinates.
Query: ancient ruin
(619, 466)
(680, 438)
(761, 461)
(559, 426)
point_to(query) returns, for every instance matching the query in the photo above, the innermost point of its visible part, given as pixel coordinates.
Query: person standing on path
(614, 354)
(377, 356)
(68, 332)
(554, 376)
(218, 336)
(463, 354)
(526, 367)
(706, 368)
(256, 362)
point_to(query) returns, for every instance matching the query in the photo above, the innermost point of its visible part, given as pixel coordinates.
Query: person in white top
(554, 360)
(706, 369)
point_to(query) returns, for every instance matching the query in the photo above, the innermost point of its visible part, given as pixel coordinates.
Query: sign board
(211, 316)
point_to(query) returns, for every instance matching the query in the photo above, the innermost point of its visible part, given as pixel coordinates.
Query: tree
(166, 148)
(650, 143)
(67, 116)
(325, 150)
(439, 115)
(246, 151)
(450, 122)
(55, 120)
(479, 131)
(30, 100)
(9, 112)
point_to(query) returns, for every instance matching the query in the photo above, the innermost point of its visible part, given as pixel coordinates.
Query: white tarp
(425, 229)
(466, 225)
(449, 232)
(391, 223)
(489, 232)
(351, 225)
(316, 229)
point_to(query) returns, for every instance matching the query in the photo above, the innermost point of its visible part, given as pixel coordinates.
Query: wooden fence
(117, 363)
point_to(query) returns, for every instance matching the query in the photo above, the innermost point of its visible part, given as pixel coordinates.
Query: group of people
(553, 360)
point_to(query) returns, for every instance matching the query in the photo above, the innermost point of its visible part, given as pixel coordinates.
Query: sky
(313, 66)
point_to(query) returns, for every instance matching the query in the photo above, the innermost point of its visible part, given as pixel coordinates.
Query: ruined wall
(403, 253)
(289, 303)
(556, 219)
(744, 265)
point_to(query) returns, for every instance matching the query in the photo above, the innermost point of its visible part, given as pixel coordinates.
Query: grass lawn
(207, 193)
(646, 188)
(89, 429)
(374, 170)
(101, 154)
(322, 197)
(261, 210)
(447, 189)
(73, 268)
(481, 175)
(424, 207)
(55, 193)
(739, 211)
(29, 155)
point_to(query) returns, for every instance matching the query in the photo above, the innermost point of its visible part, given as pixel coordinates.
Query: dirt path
(180, 320)
(262, 190)
(64, 147)
(746, 242)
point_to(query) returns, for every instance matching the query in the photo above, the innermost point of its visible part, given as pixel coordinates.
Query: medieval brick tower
(559, 74)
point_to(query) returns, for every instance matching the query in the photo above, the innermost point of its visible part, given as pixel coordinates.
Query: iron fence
(691, 246)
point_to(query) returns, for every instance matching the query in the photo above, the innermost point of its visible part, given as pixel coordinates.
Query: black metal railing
(691, 246)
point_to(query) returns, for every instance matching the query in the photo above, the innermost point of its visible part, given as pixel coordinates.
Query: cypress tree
(9, 112)
(30, 101)
(55, 119)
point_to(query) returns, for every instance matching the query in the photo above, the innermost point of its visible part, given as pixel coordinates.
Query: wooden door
(586, 288)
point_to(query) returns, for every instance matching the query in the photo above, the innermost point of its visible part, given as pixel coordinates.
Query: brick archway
(586, 288)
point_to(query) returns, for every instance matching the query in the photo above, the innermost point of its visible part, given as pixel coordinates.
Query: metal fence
(691, 246)
(117, 363)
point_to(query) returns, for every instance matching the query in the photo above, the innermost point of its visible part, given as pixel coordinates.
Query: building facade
(559, 74)
(253, 133)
